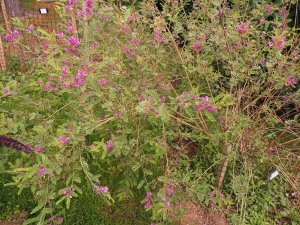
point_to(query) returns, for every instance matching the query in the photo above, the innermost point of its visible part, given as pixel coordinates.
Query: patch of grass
(89, 209)
(10, 202)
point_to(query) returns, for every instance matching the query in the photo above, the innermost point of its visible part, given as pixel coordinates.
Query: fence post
(2, 57)
(5, 15)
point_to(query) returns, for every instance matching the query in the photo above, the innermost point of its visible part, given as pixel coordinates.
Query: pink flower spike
(167, 204)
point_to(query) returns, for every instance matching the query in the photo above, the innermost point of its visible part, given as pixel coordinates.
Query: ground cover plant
(136, 110)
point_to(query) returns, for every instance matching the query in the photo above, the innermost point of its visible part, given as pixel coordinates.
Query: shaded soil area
(16, 220)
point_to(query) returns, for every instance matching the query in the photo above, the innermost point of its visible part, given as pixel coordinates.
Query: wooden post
(2, 56)
(5, 15)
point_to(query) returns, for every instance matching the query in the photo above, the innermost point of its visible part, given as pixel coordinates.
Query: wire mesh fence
(36, 14)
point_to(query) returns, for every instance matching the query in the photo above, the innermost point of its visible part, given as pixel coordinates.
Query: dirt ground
(196, 215)
(193, 215)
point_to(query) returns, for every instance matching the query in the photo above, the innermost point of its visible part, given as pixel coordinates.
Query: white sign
(43, 11)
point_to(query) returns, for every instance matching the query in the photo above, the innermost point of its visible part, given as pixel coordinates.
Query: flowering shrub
(117, 93)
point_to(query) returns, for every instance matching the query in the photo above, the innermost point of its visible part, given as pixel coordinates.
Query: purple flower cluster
(64, 140)
(12, 143)
(42, 171)
(68, 192)
(6, 91)
(103, 82)
(12, 35)
(134, 17)
(157, 36)
(135, 41)
(197, 46)
(163, 99)
(124, 28)
(70, 26)
(214, 194)
(148, 200)
(73, 43)
(52, 219)
(291, 80)
(101, 190)
(40, 149)
(269, 9)
(130, 53)
(169, 192)
(261, 21)
(205, 105)
(277, 42)
(109, 145)
(79, 80)
(242, 28)
(60, 35)
(88, 5)
(30, 28)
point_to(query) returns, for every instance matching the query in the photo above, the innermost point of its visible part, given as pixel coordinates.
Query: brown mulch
(16, 220)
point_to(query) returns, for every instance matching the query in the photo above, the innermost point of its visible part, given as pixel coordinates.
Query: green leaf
(37, 208)
(140, 184)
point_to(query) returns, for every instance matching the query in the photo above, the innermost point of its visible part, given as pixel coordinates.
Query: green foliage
(136, 100)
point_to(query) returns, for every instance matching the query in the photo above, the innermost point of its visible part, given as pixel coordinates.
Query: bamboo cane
(223, 166)
(2, 56)
(5, 15)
